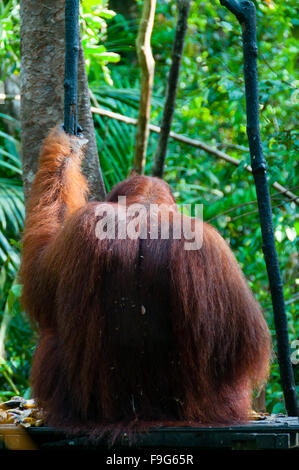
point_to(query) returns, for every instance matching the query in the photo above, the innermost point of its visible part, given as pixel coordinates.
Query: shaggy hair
(133, 332)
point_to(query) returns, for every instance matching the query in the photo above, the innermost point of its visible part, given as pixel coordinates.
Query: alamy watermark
(150, 221)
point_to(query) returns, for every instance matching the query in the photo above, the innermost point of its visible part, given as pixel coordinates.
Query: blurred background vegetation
(210, 107)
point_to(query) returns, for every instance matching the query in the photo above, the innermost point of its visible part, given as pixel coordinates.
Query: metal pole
(244, 11)
(71, 66)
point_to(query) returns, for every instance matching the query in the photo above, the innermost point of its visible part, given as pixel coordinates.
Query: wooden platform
(272, 433)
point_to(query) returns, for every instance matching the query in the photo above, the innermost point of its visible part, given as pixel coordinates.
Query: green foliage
(16, 344)
(210, 107)
(93, 18)
(9, 37)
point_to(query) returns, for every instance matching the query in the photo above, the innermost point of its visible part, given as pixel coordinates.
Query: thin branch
(194, 143)
(239, 206)
(279, 194)
(147, 67)
(233, 146)
(173, 135)
(232, 209)
(285, 191)
(287, 302)
(272, 70)
(256, 211)
(177, 52)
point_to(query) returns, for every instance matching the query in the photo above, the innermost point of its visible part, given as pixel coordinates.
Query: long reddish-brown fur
(133, 333)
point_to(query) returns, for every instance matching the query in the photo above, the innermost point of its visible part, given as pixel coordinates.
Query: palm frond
(12, 211)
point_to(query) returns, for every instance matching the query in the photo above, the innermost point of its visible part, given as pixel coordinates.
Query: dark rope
(245, 12)
(71, 66)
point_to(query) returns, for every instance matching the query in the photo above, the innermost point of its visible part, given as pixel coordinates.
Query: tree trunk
(42, 91)
(172, 85)
(147, 67)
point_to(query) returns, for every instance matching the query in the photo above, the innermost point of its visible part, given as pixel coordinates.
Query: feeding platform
(273, 432)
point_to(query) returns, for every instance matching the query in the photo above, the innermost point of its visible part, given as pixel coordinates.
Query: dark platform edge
(270, 433)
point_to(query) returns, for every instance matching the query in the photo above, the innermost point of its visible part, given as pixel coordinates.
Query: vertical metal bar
(71, 66)
(245, 12)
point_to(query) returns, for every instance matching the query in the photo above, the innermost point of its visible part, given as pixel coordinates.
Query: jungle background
(210, 107)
